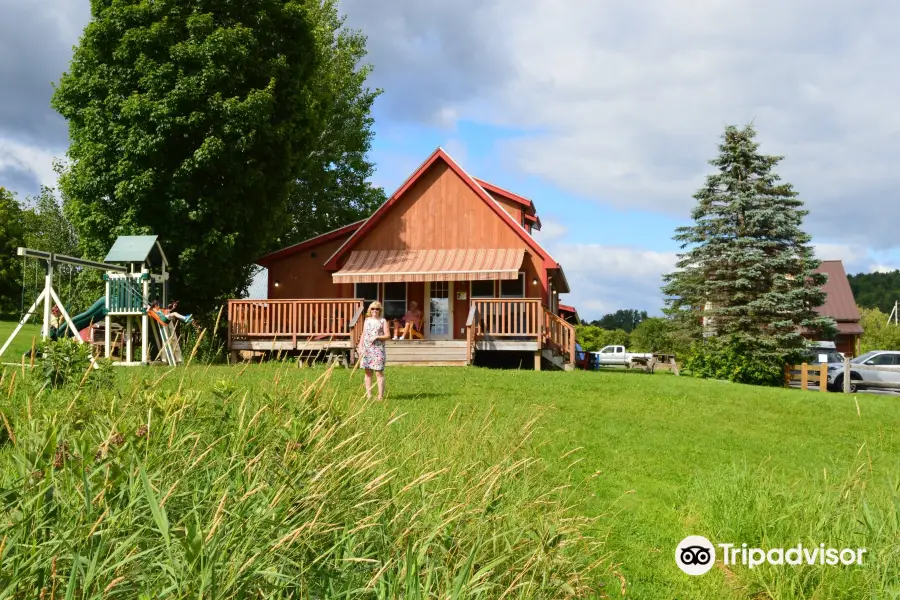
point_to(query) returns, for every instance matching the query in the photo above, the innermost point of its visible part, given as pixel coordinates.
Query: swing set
(135, 273)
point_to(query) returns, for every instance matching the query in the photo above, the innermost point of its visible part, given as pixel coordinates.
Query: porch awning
(376, 266)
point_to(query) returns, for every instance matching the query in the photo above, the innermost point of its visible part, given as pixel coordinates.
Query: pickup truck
(616, 355)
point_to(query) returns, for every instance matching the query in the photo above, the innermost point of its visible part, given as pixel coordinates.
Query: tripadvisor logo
(696, 555)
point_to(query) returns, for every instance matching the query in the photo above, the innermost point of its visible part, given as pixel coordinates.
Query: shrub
(66, 361)
(736, 360)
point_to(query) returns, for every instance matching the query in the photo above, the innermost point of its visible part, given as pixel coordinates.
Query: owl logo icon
(695, 555)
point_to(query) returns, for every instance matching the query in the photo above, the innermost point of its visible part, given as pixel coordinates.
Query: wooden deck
(334, 327)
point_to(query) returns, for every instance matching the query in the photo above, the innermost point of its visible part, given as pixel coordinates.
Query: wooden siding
(846, 344)
(514, 209)
(440, 212)
(302, 275)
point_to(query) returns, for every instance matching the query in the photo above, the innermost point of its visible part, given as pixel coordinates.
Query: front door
(440, 316)
(460, 309)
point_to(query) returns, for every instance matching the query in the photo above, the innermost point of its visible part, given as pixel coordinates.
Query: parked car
(871, 377)
(617, 355)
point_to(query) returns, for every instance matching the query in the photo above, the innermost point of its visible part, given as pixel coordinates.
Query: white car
(616, 355)
(859, 373)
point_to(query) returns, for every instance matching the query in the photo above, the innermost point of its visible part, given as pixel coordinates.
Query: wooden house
(459, 247)
(840, 305)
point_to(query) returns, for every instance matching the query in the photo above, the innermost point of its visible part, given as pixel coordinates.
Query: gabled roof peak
(474, 185)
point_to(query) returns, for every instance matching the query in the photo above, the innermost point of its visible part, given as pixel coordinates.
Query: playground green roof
(136, 249)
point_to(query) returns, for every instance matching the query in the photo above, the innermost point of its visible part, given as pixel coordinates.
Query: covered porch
(334, 326)
(463, 302)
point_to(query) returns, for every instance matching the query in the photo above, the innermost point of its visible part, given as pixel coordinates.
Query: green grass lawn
(22, 342)
(651, 458)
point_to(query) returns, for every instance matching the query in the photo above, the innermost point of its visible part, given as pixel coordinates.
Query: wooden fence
(852, 374)
(803, 372)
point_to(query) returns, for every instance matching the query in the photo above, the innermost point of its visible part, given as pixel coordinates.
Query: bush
(736, 360)
(66, 361)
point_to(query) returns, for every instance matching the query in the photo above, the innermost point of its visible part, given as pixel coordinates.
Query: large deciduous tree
(11, 237)
(333, 186)
(196, 121)
(748, 265)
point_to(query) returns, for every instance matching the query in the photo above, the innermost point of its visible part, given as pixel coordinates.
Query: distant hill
(876, 290)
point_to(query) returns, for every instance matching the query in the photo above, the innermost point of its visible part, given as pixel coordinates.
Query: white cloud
(877, 268)
(604, 279)
(551, 231)
(26, 158)
(627, 102)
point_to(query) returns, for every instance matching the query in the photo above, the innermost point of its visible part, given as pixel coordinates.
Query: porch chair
(409, 332)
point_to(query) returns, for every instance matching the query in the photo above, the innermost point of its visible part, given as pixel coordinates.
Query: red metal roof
(496, 189)
(840, 304)
(310, 243)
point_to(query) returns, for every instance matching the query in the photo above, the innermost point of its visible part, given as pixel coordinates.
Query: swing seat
(158, 317)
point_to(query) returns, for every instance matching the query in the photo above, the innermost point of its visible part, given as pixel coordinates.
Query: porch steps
(433, 353)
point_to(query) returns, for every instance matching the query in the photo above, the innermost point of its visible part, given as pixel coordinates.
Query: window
(882, 360)
(368, 292)
(513, 288)
(394, 300)
(482, 289)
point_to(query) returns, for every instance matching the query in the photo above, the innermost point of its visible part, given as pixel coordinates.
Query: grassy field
(21, 344)
(643, 460)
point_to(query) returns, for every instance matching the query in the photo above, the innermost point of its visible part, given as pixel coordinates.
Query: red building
(459, 247)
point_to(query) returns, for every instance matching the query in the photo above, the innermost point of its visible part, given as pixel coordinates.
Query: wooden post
(823, 377)
(107, 323)
(48, 300)
(804, 377)
(846, 375)
(145, 319)
(129, 351)
(537, 360)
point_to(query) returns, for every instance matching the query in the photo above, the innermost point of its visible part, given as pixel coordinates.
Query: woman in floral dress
(371, 348)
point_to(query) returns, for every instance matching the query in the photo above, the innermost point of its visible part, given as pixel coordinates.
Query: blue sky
(605, 114)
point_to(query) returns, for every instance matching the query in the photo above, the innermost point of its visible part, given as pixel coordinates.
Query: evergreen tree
(747, 269)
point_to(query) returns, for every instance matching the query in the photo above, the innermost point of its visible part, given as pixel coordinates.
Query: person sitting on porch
(412, 318)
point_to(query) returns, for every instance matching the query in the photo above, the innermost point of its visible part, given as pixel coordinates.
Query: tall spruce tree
(747, 269)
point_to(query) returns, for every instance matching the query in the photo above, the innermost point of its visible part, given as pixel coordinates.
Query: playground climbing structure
(135, 273)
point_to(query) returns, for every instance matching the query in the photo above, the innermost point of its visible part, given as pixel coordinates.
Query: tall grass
(234, 490)
(744, 504)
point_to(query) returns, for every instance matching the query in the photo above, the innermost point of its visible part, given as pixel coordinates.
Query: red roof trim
(531, 218)
(439, 154)
(567, 308)
(505, 193)
(310, 243)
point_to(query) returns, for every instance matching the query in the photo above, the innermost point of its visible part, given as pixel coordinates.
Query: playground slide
(94, 314)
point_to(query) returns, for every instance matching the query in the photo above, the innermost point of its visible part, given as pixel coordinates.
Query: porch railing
(292, 319)
(526, 319)
(559, 335)
(502, 317)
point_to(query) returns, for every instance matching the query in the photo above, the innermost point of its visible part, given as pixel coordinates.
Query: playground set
(135, 274)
